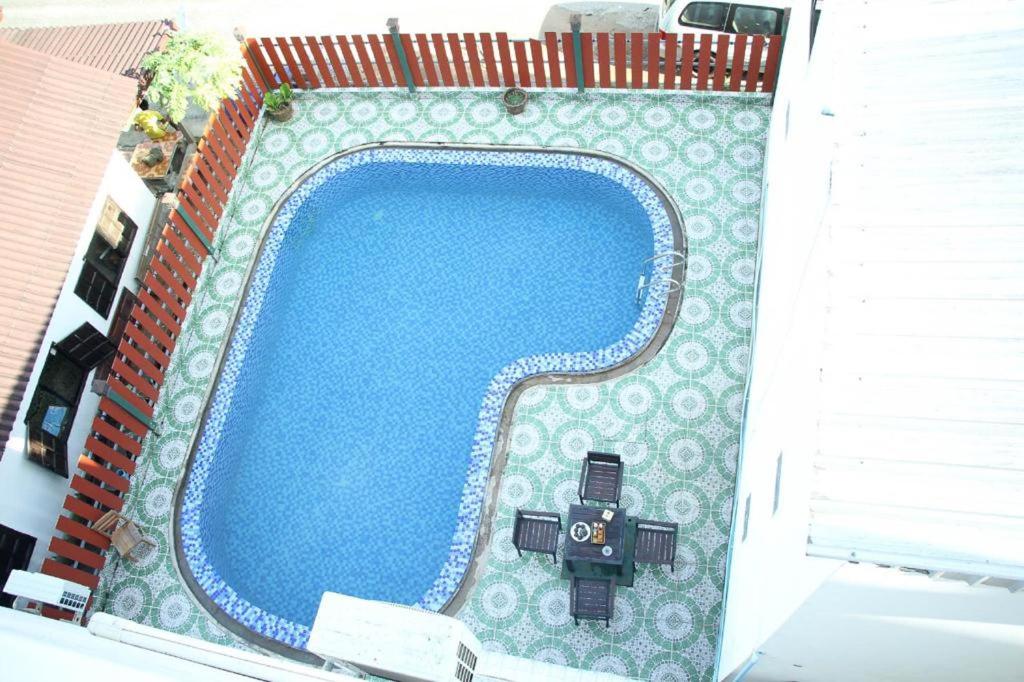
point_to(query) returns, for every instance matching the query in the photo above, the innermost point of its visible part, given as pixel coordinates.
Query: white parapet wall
(412, 645)
(31, 496)
(38, 648)
(769, 573)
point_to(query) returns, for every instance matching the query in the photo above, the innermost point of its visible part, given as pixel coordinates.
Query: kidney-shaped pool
(399, 294)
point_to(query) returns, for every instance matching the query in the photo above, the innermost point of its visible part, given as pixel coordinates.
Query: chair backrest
(106, 523)
(604, 458)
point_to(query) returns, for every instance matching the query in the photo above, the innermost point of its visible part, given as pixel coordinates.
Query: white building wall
(769, 573)
(31, 496)
(871, 624)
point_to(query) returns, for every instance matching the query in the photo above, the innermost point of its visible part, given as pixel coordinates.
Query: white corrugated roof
(922, 416)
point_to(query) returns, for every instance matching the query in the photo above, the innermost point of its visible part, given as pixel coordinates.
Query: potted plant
(197, 67)
(514, 100)
(279, 103)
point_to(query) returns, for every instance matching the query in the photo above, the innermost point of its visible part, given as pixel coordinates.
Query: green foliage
(514, 96)
(280, 98)
(202, 67)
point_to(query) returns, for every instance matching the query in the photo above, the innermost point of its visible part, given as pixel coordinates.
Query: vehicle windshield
(705, 15)
(754, 20)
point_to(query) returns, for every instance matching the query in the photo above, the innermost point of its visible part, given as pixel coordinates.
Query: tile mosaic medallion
(675, 420)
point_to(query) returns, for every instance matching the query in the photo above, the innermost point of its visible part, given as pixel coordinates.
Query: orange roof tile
(117, 48)
(58, 127)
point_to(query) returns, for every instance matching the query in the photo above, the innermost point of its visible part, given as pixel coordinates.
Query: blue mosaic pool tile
(470, 508)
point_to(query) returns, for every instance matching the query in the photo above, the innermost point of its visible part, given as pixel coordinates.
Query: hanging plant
(200, 67)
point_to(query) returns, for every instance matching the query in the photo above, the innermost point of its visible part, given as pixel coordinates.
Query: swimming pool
(400, 294)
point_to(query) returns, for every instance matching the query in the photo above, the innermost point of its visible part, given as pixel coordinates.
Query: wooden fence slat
(82, 508)
(138, 337)
(75, 575)
(94, 492)
(473, 57)
(739, 52)
(487, 47)
(671, 43)
(174, 241)
(620, 60)
(721, 62)
(443, 67)
(771, 65)
(152, 329)
(154, 308)
(604, 61)
(167, 279)
(391, 47)
(587, 50)
(170, 301)
(302, 50)
(76, 553)
(82, 532)
(522, 65)
(365, 61)
(537, 58)
(203, 173)
(256, 58)
(686, 62)
(119, 415)
(298, 79)
(336, 65)
(554, 73)
(703, 62)
(354, 72)
(381, 61)
(321, 62)
(176, 262)
(457, 60)
(104, 451)
(636, 55)
(754, 68)
(413, 62)
(240, 115)
(569, 60)
(101, 473)
(147, 367)
(141, 385)
(653, 60)
(427, 57)
(121, 389)
(508, 73)
(198, 211)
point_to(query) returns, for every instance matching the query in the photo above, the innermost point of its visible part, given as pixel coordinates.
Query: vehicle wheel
(711, 64)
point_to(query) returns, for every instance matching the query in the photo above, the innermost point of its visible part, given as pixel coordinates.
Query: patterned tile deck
(676, 420)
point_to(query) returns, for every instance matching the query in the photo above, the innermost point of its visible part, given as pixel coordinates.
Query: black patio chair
(537, 531)
(592, 599)
(601, 478)
(655, 543)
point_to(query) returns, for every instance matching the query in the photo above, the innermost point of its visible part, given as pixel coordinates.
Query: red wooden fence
(631, 61)
(126, 411)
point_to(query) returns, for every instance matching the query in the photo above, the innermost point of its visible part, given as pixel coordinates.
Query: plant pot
(514, 100)
(281, 115)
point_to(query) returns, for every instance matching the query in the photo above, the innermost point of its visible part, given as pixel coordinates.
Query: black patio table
(615, 537)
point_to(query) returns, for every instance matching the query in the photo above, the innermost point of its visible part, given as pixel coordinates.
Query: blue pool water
(361, 380)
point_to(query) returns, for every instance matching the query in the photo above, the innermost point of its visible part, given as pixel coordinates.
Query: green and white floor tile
(676, 420)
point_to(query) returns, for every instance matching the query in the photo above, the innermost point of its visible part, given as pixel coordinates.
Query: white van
(754, 17)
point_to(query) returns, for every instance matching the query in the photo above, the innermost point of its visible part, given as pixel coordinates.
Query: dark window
(55, 400)
(105, 258)
(87, 347)
(755, 20)
(15, 552)
(704, 15)
(125, 305)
